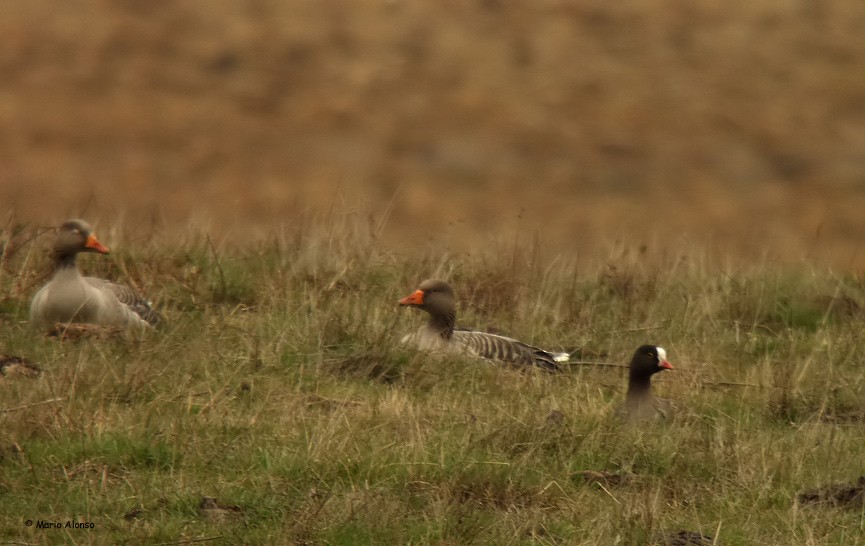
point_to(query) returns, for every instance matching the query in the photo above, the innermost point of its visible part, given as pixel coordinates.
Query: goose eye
(651, 354)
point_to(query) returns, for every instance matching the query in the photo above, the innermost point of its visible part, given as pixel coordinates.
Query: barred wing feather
(509, 350)
(129, 298)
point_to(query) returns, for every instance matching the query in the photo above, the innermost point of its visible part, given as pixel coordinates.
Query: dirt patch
(211, 509)
(78, 331)
(375, 367)
(12, 366)
(849, 494)
(685, 538)
(606, 478)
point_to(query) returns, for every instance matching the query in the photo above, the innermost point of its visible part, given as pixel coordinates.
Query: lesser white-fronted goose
(436, 297)
(69, 297)
(640, 402)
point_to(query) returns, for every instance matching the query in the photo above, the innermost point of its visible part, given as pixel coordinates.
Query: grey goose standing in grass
(436, 297)
(640, 402)
(69, 298)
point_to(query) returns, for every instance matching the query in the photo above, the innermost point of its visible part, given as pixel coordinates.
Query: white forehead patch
(662, 354)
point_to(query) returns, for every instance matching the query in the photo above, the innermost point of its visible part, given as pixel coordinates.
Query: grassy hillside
(277, 389)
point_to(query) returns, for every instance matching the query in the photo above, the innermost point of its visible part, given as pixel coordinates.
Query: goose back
(508, 350)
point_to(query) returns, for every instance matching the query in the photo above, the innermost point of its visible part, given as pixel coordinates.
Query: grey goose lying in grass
(440, 334)
(68, 297)
(640, 402)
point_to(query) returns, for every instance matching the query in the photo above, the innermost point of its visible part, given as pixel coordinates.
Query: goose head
(647, 361)
(434, 296)
(76, 236)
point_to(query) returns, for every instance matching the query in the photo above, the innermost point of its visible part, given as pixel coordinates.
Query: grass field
(588, 175)
(277, 389)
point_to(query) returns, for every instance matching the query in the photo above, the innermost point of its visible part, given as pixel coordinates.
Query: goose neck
(443, 324)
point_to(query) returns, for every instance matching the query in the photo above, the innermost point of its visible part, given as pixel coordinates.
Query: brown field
(734, 127)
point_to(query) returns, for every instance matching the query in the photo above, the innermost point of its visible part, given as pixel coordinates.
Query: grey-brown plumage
(128, 297)
(68, 297)
(640, 401)
(437, 298)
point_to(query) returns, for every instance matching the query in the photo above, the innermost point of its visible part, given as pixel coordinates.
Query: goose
(436, 297)
(640, 402)
(68, 297)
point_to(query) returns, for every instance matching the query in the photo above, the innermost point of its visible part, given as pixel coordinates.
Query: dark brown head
(76, 236)
(640, 403)
(433, 296)
(649, 360)
(436, 298)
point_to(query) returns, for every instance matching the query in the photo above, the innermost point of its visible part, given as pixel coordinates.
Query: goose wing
(128, 298)
(509, 350)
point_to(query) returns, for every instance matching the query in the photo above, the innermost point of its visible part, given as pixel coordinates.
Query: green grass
(277, 386)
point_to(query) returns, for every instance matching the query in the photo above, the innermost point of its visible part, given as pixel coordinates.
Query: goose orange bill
(94, 244)
(416, 298)
(666, 365)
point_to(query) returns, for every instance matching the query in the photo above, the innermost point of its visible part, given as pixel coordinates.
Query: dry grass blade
(31, 405)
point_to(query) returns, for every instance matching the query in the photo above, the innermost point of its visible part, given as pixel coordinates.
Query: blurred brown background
(736, 126)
